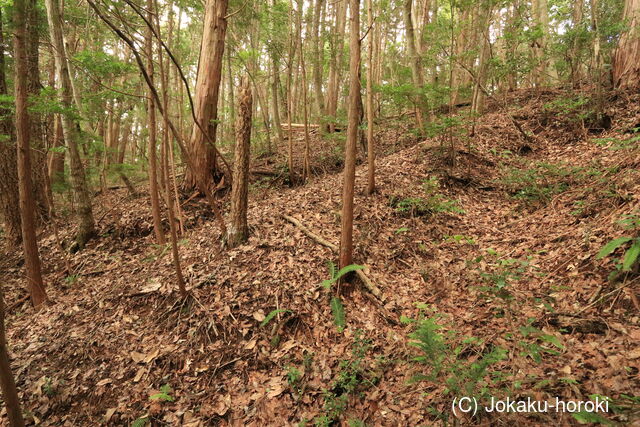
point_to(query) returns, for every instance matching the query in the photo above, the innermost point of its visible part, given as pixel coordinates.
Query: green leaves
(612, 246)
(163, 395)
(271, 315)
(631, 256)
(336, 276)
(338, 313)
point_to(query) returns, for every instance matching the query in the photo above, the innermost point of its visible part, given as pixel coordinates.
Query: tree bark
(206, 98)
(9, 212)
(56, 159)
(164, 78)
(626, 58)
(152, 142)
(346, 235)
(86, 224)
(239, 230)
(414, 62)
(371, 159)
(37, 124)
(27, 203)
(335, 63)
(317, 61)
(8, 383)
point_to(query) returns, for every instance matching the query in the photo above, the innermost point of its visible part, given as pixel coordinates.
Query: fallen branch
(368, 283)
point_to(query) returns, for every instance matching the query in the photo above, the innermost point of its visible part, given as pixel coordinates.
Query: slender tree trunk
(239, 230)
(56, 158)
(371, 157)
(318, 57)
(626, 58)
(414, 62)
(202, 147)
(152, 142)
(8, 383)
(335, 63)
(484, 24)
(27, 203)
(275, 104)
(69, 128)
(164, 78)
(37, 125)
(574, 60)
(306, 171)
(346, 236)
(9, 212)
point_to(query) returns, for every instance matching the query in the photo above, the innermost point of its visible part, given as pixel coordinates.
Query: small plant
(433, 203)
(140, 422)
(447, 356)
(48, 388)
(72, 279)
(163, 395)
(336, 303)
(629, 257)
(498, 274)
(619, 144)
(460, 238)
(293, 378)
(351, 378)
(337, 275)
(271, 315)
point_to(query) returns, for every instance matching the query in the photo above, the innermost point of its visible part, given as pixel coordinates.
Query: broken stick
(368, 283)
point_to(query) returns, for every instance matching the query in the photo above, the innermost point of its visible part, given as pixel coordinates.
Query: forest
(319, 212)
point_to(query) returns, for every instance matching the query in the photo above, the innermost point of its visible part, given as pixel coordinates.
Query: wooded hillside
(319, 212)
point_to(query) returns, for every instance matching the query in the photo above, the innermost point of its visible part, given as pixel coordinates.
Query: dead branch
(368, 283)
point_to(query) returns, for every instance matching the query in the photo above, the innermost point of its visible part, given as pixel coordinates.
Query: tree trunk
(70, 128)
(317, 62)
(8, 383)
(164, 78)
(152, 143)
(483, 18)
(574, 60)
(346, 235)
(9, 212)
(275, 104)
(239, 231)
(371, 159)
(626, 58)
(335, 63)
(26, 203)
(56, 158)
(202, 147)
(414, 62)
(37, 124)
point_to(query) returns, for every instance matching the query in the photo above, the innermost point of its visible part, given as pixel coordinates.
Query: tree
(414, 62)
(349, 177)
(626, 58)
(239, 231)
(318, 60)
(202, 146)
(86, 225)
(9, 212)
(371, 157)
(152, 143)
(7, 382)
(26, 203)
(335, 61)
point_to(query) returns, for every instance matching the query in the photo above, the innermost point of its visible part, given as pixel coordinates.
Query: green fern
(338, 313)
(271, 315)
(334, 277)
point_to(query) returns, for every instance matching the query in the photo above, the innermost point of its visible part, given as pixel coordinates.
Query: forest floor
(492, 261)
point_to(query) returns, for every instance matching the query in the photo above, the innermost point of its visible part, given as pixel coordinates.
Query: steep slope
(500, 247)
